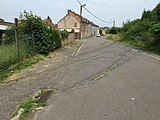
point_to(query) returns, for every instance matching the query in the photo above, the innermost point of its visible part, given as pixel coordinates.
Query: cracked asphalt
(102, 80)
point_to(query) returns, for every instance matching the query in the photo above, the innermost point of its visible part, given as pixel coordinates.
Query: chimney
(69, 11)
(49, 19)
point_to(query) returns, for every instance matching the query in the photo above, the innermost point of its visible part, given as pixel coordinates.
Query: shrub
(64, 34)
(155, 33)
(113, 30)
(9, 36)
(43, 38)
(1, 20)
(144, 32)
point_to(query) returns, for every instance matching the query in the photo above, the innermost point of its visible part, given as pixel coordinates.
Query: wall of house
(69, 23)
(86, 30)
(89, 30)
(95, 30)
(72, 21)
(70, 39)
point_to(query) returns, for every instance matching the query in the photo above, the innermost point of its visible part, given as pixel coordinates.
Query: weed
(29, 104)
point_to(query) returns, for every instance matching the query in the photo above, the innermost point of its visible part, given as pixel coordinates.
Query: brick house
(71, 22)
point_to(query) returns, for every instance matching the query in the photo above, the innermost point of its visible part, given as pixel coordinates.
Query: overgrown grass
(140, 45)
(137, 44)
(144, 33)
(7, 56)
(8, 59)
(19, 66)
(114, 37)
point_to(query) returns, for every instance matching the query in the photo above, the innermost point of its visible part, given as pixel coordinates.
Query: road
(102, 80)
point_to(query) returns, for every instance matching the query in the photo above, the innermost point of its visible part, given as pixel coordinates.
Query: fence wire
(8, 51)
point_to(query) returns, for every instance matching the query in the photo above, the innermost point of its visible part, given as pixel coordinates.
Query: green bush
(64, 34)
(144, 32)
(9, 36)
(1, 20)
(155, 34)
(113, 30)
(41, 37)
(34, 37)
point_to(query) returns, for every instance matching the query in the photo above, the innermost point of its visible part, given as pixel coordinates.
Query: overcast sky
(119, 10)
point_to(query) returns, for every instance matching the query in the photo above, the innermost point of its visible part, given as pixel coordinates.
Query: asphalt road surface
(107, 81)
(101, 80)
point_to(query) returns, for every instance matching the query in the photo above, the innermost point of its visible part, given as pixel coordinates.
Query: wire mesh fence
(8, 48)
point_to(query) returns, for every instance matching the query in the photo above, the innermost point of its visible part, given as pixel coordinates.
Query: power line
(96, 16)
(93, 14)
(79, 2)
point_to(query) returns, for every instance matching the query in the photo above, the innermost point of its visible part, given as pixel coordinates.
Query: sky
(107, 10)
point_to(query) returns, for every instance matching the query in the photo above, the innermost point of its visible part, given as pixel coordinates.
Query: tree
(146, 15)
(144, 32)
(113, 30)
(1, 20)
(156, 13)
(155, 33)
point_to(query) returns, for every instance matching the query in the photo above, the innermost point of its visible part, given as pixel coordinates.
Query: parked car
(98, 35)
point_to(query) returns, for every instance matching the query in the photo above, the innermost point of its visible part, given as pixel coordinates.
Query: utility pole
(114, 23)
(80, 30)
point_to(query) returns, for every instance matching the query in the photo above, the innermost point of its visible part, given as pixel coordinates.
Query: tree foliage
(9, 36)
(40, 36)
(113, 30)
(64, 34)
(145, 31)
(1, 20)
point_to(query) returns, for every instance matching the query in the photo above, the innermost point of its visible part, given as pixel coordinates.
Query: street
(101, 80)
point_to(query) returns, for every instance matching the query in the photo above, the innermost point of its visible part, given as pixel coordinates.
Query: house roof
(2, 27)
(48, 22)
(5, 25)
(84, 20)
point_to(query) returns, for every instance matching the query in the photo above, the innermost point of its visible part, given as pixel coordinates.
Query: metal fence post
(17, 38)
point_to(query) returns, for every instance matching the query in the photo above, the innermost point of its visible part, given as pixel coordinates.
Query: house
(71, 22)
(48, 22)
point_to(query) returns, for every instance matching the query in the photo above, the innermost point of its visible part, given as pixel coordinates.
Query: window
(75, 24)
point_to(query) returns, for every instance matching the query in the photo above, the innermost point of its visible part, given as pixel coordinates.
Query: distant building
(3, 27)
(71, 22)
(49, 23)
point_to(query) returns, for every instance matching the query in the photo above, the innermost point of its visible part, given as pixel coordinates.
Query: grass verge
(113, 37)
(19, 66)
(135, 44)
